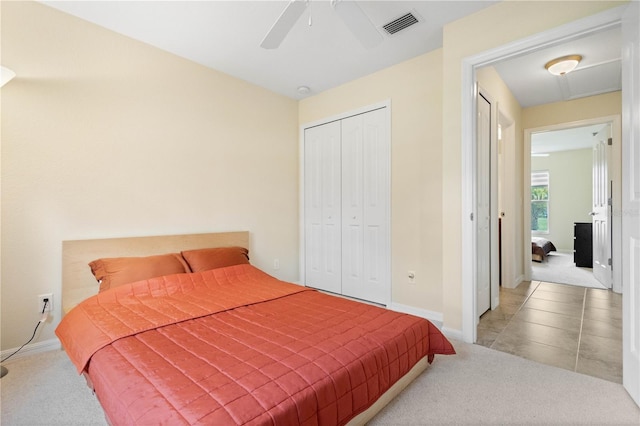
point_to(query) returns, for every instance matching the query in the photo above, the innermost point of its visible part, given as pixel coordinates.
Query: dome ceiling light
(563, 65)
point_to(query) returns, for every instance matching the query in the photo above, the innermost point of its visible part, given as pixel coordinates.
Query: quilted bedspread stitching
(129, 309)
(299, 358)
(250, 315)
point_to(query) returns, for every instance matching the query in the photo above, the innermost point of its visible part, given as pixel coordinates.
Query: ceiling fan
(349, 11)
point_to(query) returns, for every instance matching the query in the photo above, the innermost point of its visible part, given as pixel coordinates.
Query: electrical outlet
(41, 299)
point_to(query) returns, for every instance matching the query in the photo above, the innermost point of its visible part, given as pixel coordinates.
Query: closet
(347, 206)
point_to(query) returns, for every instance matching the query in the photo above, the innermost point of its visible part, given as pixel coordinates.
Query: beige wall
(569, 193)
(103, 136)
(415, 90)
(487, 29)
(588, 108)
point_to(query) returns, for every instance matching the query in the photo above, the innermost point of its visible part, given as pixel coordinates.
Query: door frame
(579, 28)
(614, 175)
(630, 200)
(301, 155)
(607, 19)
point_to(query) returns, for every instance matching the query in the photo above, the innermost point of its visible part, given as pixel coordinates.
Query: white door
(483, 203)
(601, 207)
(365, 198)
(630, 214)
(507, 211)
(322, 207)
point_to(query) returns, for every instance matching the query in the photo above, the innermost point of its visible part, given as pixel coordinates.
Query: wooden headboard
(78, 282)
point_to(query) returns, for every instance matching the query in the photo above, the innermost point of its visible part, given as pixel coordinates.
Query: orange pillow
(212, 258)
(116, 271)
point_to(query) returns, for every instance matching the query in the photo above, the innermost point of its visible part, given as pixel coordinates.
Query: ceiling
(600, 70)
(226, 36)
(564, 139)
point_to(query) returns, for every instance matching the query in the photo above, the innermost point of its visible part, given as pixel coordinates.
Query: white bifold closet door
(323, 239)
(358, 173)
(365, 206)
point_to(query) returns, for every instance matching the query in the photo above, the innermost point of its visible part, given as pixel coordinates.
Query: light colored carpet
(477, 386)
(45, 389)
(559, 268)
(483, 386)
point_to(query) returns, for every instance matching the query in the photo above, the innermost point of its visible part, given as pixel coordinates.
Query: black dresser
(583, 244)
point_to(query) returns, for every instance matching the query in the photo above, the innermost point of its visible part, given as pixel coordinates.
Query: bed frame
(78, 283)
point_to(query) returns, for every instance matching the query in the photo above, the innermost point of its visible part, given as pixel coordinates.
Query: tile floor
(575, 328)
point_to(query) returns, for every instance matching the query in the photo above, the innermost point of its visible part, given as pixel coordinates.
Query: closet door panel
(352, 199)
(322, 207)
(377, 196)
(373, 249)
(365, 198)
(376, 167)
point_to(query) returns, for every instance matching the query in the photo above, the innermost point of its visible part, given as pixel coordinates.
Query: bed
(234, 345)
(540, 248)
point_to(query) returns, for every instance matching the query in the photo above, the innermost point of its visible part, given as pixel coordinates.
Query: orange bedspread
(237, 346)
(145, 305)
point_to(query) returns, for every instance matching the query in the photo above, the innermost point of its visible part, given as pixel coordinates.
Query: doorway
(470, 69)
(577, 326)
(630, 23)
(573, 174)
(569, 150)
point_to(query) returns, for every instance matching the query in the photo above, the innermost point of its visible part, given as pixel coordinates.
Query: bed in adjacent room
(222, 342)
(540, 248)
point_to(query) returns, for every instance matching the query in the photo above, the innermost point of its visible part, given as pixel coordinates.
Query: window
(540, 202)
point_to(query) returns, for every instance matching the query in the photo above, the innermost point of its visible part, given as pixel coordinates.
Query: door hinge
(471, 216)
(609, 262)
(610, 141)
(609, 201)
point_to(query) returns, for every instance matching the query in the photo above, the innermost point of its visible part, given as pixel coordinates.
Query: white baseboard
(451, 333)
(32, 349)
(434, 317)
(519, 279)
(513, 284)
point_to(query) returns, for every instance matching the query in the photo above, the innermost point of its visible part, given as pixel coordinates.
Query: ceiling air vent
(401, 23)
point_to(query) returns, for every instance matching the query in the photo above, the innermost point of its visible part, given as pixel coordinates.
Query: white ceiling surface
(599, 71)
(565, 139)
(226, 36)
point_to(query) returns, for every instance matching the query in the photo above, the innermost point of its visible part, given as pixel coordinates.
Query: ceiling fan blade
(283, 25)
(358, 23)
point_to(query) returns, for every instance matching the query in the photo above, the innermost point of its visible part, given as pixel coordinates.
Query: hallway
(571, 327)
